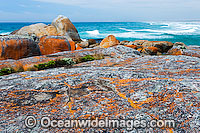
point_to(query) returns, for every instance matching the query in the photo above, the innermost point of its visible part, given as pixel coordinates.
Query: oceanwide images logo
(47, 122)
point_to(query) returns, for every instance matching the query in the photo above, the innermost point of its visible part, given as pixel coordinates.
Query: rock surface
(124, 85)
(152, 47)
(61, 26)
(65, 27)
(55, 44)
(38, 29)
(17, 47)
(109, 42)
(188, 51)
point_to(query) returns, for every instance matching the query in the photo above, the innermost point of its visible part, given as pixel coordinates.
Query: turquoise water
(187, 32)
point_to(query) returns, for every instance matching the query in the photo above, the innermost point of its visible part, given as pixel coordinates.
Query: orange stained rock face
(17, 49)
(50, 45)
(109, 42)
(131, 46)
(150, 50)
(78, 47)
(140, 49)
(175, 52)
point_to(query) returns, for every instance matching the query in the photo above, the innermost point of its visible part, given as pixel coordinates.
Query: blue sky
(99, 10)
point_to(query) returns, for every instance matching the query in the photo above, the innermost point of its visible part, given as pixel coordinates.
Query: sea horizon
(187, 32)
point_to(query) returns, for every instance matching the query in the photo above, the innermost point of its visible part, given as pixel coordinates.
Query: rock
(131, 46)
(94, 45)
(92, 41)
(17, 47)
(109, 42)
(84, 44)
(65, 27)
(150, 50)
(124, 42)
(187, 52)
(14, 32)
(78, 47)
(61, 26)
(175, 51)
(38, 29)
(163, 46)
(119, 87)
(179, 44)
(138, 42)
(54, 44)
(151, 47)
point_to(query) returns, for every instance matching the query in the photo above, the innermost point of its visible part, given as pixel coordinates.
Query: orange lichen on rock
(140, 49)
(150, 50)
(109, 42)
(131, 46)
(174, 51)
(78, 47)
(50, 45)
(17, 48)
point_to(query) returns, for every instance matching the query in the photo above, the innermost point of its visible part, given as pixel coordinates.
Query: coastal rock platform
(123, 85)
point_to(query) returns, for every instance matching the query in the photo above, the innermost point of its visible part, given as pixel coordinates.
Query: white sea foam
(126, 29)
(5, 33)
(176, 32)
(131, 34)
(94, 32)
(163, 30)
(141, 35)
(176, 28)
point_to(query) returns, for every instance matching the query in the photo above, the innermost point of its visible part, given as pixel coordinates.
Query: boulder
(17, 47)
(150, 50)
(124, 43)
(54, 44)
(138, 42)
(163, 46)
(92, 41)
(65, 27)
(174, 51)
(180, 45)
(38, 29)
(94, 45)
(84, 44)
(78, 47)
(109, 42)
(61, 26)
(14, 32)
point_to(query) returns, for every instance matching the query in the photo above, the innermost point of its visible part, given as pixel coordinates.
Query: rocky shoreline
(134, 80)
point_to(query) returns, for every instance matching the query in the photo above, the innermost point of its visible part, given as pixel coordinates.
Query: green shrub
(57, 63)
(6, 71)
(65, 62)
(89, 58)
(51, 64)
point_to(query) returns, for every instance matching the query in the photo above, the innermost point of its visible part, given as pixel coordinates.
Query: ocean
(186, 32)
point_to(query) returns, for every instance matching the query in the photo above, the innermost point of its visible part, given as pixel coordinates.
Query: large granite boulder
(61, 26)
(38, 29)
(54, 44)
(65, 27)
(109, 42)
(17, 47)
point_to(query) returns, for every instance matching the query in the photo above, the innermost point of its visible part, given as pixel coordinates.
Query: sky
(99, 10)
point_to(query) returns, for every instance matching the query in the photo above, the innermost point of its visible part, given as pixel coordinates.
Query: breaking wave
(94, 32)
